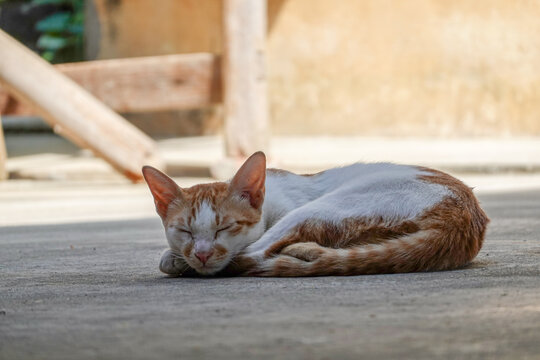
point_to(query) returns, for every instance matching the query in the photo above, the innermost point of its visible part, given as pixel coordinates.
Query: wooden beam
(73, 112)
(155, 83)
(244, 85)
(9, 105)
(3, 154)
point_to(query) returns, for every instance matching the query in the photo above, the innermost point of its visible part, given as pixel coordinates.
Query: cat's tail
(449, 237)
(406, 254)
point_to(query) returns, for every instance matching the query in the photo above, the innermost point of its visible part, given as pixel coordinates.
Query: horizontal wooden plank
(145, 84)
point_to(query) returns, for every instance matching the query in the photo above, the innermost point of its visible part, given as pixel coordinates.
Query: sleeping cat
(359, 219)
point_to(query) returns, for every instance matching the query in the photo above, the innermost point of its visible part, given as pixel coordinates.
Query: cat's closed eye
(185, 231)
(223, 229)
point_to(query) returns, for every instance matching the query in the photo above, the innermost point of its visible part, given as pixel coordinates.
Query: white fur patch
(204, 223)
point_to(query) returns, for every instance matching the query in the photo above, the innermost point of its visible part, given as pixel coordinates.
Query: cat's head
(208, 224)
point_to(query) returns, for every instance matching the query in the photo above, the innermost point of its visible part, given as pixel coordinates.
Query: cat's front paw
(172, 264)
(306, 251)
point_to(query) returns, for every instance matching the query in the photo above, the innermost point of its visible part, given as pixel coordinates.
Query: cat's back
(375, 177)
(381, 189)
(358, 178)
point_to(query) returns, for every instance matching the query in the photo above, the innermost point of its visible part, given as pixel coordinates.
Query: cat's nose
(203, 256)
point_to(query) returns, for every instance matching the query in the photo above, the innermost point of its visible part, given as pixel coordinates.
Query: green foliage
(53, 2)
(61, 32)
(56, 22)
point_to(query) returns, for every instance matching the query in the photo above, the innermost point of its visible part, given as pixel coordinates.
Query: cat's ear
(163, 189)
(249, 180)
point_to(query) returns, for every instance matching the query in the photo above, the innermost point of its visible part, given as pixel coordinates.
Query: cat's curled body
(358, 219)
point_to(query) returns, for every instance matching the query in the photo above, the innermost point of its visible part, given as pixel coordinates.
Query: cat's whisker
(185, 268)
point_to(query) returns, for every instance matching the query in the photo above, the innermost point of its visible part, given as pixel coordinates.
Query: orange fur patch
(220, 251)
(187, 250)
(349, 232)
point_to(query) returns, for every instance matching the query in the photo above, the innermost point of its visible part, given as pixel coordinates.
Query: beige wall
(398, 68)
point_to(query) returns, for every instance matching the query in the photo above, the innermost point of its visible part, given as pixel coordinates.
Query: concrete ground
(79, 280)
(79, 277)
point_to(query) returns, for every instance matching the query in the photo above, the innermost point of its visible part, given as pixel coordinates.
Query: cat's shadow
(193, 275)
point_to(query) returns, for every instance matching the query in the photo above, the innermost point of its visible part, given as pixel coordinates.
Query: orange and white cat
(358, 219)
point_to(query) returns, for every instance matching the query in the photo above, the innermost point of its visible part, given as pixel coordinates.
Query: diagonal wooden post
(73, 112)
(244, 86)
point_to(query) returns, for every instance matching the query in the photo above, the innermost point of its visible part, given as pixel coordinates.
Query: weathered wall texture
(373, 67)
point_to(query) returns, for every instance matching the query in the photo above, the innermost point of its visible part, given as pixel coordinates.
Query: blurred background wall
(362, 67)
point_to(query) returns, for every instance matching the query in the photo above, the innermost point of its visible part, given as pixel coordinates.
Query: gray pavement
(92, 290)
